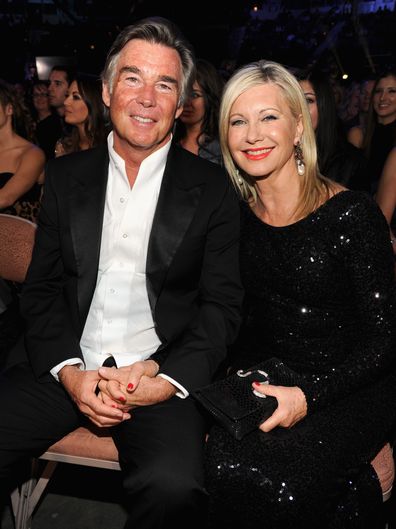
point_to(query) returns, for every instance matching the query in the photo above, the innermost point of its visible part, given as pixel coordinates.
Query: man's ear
(179, 110)
(106, 94)
(9, 110)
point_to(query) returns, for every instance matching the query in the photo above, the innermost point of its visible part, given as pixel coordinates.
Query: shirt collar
(153, 165)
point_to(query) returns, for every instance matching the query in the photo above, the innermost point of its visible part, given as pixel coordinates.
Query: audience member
(318, 272)
(48, 126)
(84, 113)
(357, 131)
(21, 162)
(380, 136)
(135, 262)
(60, 79)
(386, 194)
(197, 128)
(337, 158)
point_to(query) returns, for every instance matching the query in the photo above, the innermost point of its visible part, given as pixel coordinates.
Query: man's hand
(135, 385)
(81, 387)
(292, 405)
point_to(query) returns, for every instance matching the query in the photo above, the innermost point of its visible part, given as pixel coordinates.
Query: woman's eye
(310, 100)
(269, 117)
(195, 95)
(236, 122)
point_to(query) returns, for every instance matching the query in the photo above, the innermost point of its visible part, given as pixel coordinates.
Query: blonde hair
(314, 187)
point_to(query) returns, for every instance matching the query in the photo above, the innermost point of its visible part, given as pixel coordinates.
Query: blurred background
(351, 40)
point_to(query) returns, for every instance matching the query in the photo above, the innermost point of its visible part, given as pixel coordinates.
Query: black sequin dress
(320, 296)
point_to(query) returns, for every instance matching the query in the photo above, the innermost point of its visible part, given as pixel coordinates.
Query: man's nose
(146, 96)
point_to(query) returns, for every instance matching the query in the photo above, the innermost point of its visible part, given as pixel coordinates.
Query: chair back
(16, 245)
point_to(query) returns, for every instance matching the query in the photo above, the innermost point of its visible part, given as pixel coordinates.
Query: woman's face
(310, 97)
(76, 110)
(194, 108)
(40, 98)
(262, 132)
(384, 99)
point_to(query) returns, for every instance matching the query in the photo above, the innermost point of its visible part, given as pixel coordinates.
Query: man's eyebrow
(135, 69)
(130, 69)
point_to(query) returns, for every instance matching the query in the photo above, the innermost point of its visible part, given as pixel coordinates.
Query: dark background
(331, 34)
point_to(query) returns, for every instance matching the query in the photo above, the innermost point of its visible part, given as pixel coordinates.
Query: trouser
(160, 447)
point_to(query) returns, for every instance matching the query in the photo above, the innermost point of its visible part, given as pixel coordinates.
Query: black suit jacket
(191, 272)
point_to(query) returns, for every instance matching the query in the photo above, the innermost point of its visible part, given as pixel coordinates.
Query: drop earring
(239, 178)
(298, 154)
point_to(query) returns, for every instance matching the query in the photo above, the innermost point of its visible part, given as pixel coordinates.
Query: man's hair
(155, 30)
(69, 72)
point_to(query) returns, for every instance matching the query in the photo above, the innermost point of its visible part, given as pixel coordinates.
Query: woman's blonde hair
(314, 187)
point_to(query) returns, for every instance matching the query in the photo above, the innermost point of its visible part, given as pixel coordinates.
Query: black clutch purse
(236, 406)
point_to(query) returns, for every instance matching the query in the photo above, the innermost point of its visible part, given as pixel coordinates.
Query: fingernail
(113, 406)
(256, 383)
(130, 386)
(122, 399)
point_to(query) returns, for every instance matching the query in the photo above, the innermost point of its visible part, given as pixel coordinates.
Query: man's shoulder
(79, 159)
(195, 170)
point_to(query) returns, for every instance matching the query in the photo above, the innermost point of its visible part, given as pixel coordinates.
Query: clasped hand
(134, 385)
(120, 390)
(292, 405)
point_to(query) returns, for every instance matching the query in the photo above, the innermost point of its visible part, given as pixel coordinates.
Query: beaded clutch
(236, 406)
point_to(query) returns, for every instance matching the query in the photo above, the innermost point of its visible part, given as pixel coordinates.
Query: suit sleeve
(50, 335)
(195, 356)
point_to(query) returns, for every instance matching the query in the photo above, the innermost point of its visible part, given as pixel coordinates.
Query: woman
(317, 268)
(386, 194)
(356, 132)
(337, 158)
(84, 111)
(380, 136)
(21, 162)
(197, 129)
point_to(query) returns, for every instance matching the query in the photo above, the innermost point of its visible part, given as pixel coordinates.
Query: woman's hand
(121, 384)
(292, 405)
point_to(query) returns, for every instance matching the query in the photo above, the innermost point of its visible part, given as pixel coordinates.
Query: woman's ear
(9, 110)
(299, 129)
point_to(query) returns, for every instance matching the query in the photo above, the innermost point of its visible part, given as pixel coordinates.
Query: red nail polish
(122, 399)
(256, 383)
(130, 386)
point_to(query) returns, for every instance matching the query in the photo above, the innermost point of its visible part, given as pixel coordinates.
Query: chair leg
(26, 499)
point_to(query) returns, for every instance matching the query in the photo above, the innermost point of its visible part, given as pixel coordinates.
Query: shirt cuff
(70, 362)
(182, 393)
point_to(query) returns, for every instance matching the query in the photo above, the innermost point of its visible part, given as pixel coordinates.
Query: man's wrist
(67, 370)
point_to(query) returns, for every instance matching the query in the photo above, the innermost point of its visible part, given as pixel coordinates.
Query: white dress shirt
(119, 321)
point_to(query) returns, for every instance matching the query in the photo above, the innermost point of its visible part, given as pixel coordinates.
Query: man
(60, 79)
(135, 262)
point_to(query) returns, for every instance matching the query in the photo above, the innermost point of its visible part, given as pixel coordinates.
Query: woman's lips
(258, 154)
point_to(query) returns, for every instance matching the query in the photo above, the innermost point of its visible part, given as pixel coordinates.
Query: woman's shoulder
(348, 200)
(351, 210)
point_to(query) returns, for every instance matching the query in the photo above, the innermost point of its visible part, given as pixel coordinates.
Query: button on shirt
(119, 321)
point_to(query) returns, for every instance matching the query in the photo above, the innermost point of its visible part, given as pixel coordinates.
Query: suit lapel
(177, 202)
(86, 218)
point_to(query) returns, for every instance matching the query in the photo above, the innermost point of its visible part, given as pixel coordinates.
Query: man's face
(57, 88)
(144, 99)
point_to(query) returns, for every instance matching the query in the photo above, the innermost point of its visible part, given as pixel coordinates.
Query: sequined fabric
(320, 296)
